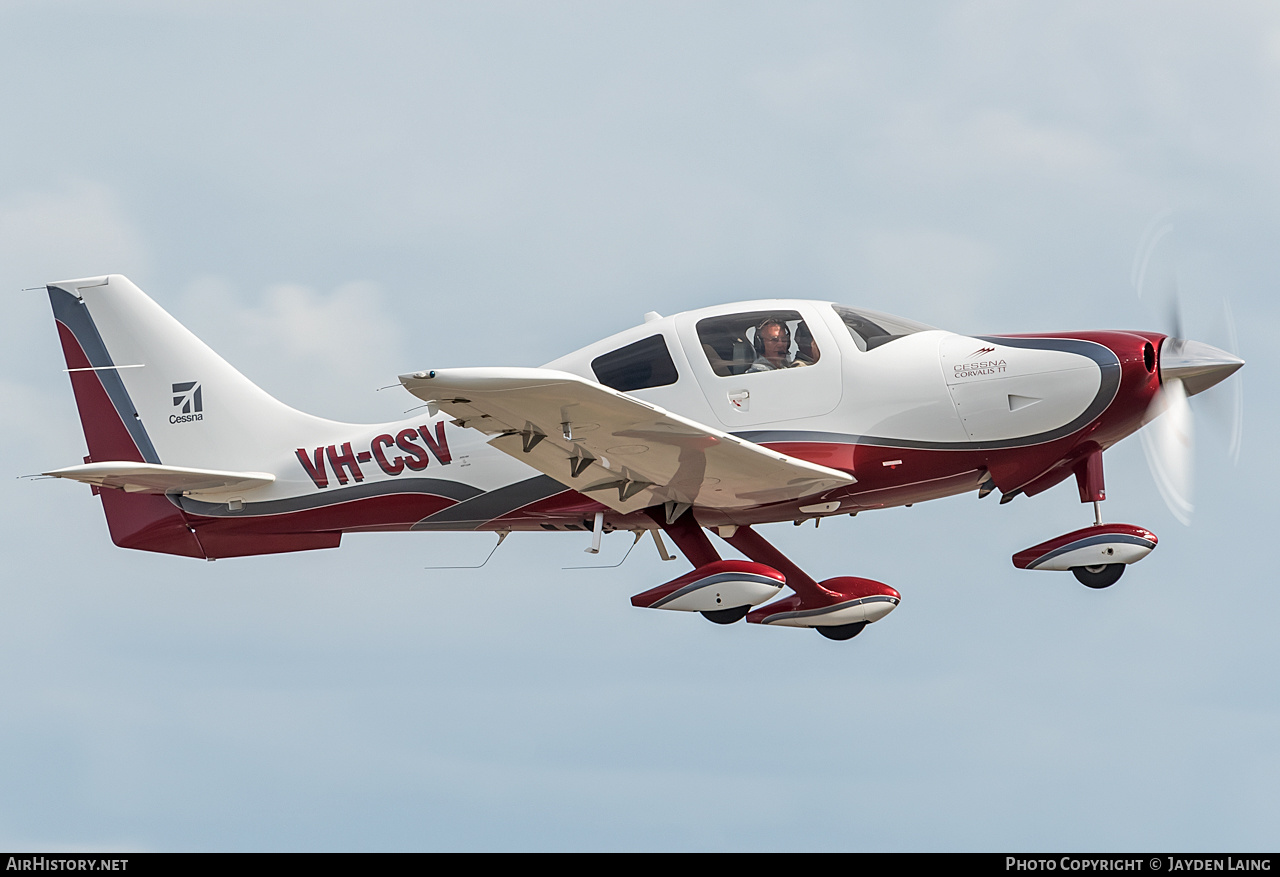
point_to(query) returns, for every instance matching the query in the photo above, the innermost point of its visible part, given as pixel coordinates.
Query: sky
(333, 194)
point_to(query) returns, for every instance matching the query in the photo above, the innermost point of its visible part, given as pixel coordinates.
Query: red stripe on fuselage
(389, 512)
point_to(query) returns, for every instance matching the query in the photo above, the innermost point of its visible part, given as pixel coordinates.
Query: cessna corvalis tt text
(716, 420)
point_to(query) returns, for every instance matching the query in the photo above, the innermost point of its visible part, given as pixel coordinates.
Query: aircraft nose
(1199, 366)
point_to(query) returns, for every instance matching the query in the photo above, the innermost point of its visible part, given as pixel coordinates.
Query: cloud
(323, 352)
(808, 91)
(40, 436)
(79, 229)
(74, 229)
(937, 275)
(314, 326)
(924, 140)
(1002, 139)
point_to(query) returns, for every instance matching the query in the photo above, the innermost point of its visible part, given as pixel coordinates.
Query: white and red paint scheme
(674, 425)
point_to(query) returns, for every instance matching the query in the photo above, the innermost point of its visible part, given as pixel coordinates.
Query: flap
(621, 451)
(154, 478)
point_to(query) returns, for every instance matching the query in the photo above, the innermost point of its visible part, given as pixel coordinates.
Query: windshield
(870, 329)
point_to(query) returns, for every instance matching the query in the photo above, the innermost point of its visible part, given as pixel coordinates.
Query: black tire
(1101, 576)
(727, 616)
(843, 631)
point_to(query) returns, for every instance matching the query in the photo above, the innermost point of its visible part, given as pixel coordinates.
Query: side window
(757, 341)
(643, 364)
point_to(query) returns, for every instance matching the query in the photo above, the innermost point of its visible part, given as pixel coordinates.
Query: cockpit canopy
(767, 337)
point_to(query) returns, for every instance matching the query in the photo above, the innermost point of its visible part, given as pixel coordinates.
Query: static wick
(502, 536)
(639, 534)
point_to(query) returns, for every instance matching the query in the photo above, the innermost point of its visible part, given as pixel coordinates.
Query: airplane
(712, 421)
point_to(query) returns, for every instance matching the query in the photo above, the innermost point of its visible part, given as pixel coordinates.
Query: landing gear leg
(694, 544)
(856, 602)
(756, 547)
(1092, 489)
(1096, 555)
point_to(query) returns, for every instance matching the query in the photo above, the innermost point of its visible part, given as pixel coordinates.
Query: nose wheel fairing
(1096, 556)
(1099, 545)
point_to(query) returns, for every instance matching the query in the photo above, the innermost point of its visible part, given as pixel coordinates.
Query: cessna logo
(982, 350)
(187, 399)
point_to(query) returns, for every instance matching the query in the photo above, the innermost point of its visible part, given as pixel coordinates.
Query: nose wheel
(726, 616)
(1101, 576)
(843, 631)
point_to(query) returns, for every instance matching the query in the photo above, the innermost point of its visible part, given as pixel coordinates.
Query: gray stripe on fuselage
(71, 312)
(1109, 386)
(494, 504)
(454, 490)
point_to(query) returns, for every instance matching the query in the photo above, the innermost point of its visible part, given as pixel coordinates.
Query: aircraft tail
(152, 394)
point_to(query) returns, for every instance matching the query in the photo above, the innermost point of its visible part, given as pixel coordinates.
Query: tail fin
(149, 391)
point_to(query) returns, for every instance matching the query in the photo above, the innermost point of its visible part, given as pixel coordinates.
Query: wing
(622, 451)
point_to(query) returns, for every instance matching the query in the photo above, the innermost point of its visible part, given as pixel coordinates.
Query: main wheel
(1102, 576)
(727, 616)
(842, 631)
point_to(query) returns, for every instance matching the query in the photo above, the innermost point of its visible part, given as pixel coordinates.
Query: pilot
(773, 346)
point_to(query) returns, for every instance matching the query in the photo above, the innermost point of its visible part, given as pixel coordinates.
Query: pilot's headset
(759, 339)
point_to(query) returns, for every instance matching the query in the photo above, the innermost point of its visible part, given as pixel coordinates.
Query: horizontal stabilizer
(626, 453)
(154, 478)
